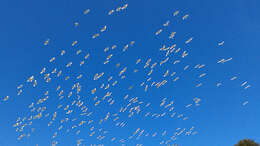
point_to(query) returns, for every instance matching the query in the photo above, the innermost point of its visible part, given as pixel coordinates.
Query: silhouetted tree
(247, 142)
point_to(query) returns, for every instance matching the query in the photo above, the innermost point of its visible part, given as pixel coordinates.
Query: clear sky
(220, 119)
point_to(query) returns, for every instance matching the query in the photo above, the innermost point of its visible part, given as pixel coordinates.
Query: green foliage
(247, 142)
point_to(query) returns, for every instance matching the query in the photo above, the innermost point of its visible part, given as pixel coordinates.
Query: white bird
(6, 98)
(184, 54)
(185, 17)
(247, 86)
(43, 70)
(245, 103)
(78, 52)
(76, 24)
(20, 86)
(176, 13)
(62, 52)
(233, 78)
(132, 43)
(111, 12)
(52, 59)
(172, 35)
(86, 11)
(124, 6)
(30, 79)
(74, 43)
(244, 83)
(113, 47)
(95, 35)
(189, 40)
(166, 23)
(158, 32)
(219, 84)
(221, 43)
(46, 42)
(69, 64)
(104, 28)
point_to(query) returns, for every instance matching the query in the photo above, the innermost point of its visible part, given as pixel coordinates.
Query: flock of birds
(94, 109)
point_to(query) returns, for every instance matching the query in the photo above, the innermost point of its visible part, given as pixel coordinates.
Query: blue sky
(220, 120)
